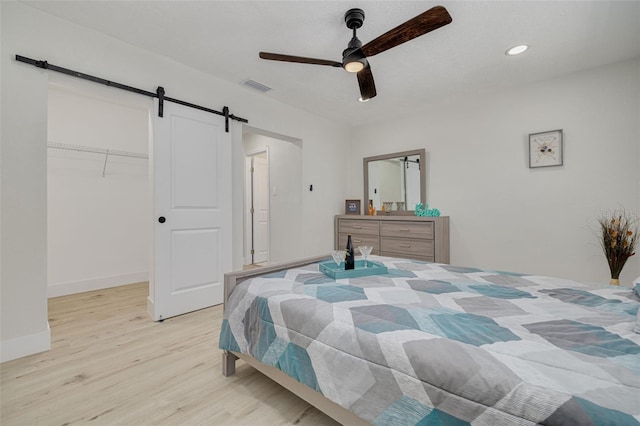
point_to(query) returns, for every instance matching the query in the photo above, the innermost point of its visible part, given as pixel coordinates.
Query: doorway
(98, 191)
(282, 190)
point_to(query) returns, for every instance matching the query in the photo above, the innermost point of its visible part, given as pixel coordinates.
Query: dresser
(413, 237)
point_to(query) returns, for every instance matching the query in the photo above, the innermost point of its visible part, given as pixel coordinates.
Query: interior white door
(192, 206)
(261, 208)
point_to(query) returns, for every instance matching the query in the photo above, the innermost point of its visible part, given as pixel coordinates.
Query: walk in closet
(99, 205)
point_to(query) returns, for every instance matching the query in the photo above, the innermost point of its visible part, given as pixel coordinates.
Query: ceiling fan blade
(430, 20)
(299, 59)
(366, 83)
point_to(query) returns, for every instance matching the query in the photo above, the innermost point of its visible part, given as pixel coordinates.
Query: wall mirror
(395, 182)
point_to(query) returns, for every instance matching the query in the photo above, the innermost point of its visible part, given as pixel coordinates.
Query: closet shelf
(81, 148)
(106, 152)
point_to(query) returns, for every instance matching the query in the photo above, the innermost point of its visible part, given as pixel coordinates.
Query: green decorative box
(337, 271)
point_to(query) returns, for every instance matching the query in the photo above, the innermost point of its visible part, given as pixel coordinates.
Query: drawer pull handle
(404, 230)
(405, 245)
(357, 241)
(357, 227)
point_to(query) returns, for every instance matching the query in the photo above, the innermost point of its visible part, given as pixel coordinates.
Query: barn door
(192, 208)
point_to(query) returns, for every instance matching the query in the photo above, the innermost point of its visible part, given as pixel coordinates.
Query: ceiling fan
(354, 57)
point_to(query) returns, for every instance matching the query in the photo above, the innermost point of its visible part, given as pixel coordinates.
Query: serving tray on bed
(337, 271)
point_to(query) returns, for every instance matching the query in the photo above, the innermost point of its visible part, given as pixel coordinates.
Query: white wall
(28, 32)
(99, 233)
(23, 285)
(285, 193)
(503, 214)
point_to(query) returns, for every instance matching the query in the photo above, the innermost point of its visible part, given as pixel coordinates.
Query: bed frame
(330, 408)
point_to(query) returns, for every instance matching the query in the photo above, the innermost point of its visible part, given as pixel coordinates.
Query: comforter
(436, 344)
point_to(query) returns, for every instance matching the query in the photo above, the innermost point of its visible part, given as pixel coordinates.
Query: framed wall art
(351, 206)
(545, 149)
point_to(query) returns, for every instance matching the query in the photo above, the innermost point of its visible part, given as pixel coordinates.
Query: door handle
(162, 219)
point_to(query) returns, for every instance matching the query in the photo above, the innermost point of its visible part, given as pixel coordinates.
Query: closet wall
(99, 232)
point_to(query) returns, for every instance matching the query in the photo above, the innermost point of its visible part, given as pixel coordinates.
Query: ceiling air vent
(257, 86)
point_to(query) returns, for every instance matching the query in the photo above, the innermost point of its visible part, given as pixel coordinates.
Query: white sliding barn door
(192, 207)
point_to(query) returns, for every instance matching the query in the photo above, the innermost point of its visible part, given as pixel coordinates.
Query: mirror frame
(423, 176)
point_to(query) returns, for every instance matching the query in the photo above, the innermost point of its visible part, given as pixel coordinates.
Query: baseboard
(25, 345)
(63, 289)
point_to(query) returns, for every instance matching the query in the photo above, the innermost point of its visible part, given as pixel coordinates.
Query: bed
(435, 344)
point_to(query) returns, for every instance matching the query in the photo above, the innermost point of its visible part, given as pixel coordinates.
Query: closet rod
(81, 148)
(158, 94)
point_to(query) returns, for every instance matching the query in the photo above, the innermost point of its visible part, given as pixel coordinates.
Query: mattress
(436, 344)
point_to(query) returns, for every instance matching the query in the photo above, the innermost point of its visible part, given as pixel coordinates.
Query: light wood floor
(110, 364)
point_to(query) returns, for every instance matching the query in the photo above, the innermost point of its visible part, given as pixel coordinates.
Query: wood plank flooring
(110, 364)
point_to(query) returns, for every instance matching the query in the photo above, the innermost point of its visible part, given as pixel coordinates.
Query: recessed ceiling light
(364, 100)
(516, 50)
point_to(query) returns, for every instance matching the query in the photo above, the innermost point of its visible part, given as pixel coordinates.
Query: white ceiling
(223, 38)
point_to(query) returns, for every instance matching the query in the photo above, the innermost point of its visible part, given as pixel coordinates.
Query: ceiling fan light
(354, 66)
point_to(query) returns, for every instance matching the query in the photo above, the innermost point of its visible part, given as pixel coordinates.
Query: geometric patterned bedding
(436, 344)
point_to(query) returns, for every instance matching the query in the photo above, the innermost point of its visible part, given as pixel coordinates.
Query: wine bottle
(349, 260)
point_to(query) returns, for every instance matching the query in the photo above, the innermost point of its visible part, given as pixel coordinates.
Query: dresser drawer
(409, 248)
(366, 227)
(402, 229)
(413, 256)
(359, 240)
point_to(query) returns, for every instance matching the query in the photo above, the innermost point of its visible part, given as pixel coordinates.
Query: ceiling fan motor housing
(354, 18)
